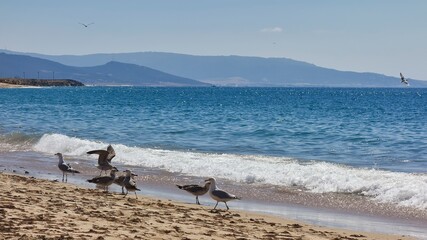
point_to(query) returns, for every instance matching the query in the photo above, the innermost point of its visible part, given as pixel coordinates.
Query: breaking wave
(406, 189)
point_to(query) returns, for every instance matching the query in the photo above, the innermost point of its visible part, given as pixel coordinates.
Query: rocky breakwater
(41, 82)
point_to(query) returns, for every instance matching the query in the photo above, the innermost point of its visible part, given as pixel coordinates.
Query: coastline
(34, 208)
(157, 185)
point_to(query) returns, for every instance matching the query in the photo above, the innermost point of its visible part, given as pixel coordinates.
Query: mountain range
(111, 73)
(114, 69)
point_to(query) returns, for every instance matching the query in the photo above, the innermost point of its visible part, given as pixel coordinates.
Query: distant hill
(239, 70)
(111, 73)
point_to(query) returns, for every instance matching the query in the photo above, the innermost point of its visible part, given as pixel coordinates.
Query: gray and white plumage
(104, 158)
(104, 181)
(65, 167)
(403, 79)
(195, 189)
(219, 195)
(120, 180)
(130, 184)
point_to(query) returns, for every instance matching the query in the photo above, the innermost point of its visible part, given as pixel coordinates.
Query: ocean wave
(405, 189)
(16, 142)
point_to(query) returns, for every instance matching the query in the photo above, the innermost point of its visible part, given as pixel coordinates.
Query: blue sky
(383, 36)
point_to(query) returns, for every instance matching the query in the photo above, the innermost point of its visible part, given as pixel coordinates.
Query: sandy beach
(32, 208)
(7, 85)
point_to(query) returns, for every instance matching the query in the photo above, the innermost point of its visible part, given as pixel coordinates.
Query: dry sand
(7, 85)
(33, 208)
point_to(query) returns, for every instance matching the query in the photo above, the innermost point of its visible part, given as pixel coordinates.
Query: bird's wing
(222, 194)
(119, 180)
(101, 179)
(192, 187)
(63, 167)
(103, 156)
(401, 76)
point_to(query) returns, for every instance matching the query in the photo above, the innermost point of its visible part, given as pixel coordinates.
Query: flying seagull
(218, 194)
(104, 158)
(403, 79)
(86, 25)
(195, 189)
(65, 167)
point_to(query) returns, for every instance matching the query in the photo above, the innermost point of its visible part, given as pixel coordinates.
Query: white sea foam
(405, 189)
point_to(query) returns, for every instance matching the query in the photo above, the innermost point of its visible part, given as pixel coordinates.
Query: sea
(362, 141)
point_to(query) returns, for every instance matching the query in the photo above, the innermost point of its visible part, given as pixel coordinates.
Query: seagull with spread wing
(86, 25)
(403, 79)
(104, 158)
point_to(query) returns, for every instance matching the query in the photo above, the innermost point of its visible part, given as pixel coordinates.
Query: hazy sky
(383, 36)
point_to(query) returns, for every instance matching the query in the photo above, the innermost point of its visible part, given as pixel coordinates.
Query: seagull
(196, 190)
(105, 181)
(403, 79)
(130, 184)
(120, 181)
(65, 167)
(218, 194)
(86, 25)
(104, 159)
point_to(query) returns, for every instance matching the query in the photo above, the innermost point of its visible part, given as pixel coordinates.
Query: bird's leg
(66, 177)
(63, 176)
(136, 196)
(197, 200)
(216, 204)
(226, 205)
(123, 191)
(126, 193)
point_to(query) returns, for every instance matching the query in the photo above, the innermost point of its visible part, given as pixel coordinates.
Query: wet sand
(325, 209)
(41, 209)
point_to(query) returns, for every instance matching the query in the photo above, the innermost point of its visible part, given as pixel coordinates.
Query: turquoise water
(322, 139)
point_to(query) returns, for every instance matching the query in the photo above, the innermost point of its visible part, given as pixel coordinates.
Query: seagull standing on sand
(403, 79)
(120, 181)
(104, 159)
(130, 184)
(65, 167)
(218, 194)
(196, 190)
(104, 181)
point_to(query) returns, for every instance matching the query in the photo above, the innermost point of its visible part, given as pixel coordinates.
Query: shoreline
(36, 208)
(158, 184)
(8, 85)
